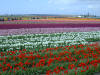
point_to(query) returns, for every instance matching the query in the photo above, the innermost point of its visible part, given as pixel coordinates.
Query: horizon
(47, 15)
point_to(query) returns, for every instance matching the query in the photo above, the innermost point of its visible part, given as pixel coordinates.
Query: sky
(62, 7)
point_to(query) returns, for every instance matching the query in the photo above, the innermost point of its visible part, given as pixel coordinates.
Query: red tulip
(83, 70)
(10, 67)
(75, 68)
(48, 72)
(80, 56)
(61, 68)
(8, 64)
(87, 67)
(66, 71)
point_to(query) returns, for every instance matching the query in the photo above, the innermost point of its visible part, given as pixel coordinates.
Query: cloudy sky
(72, 7)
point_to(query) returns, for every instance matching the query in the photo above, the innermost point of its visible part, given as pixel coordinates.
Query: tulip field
(26, 31)
(50, 47)
(47, 23)
(42, 41)
(66, 53)
(67, 60)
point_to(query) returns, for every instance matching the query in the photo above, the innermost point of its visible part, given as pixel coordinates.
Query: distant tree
(1, 19)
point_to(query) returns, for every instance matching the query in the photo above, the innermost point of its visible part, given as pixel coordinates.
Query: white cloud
(30, 0)
(61, 1)
(63, 8)
(93, 6)
(90, 6)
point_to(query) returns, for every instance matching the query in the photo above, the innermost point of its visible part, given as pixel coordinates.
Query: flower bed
(67, 25)
(42, 41)
(24, 31)
(50, 21)
(68, 60)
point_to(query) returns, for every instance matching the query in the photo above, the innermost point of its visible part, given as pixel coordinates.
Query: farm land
(50, 47)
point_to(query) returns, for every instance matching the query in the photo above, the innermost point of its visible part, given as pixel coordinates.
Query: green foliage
(92, 39)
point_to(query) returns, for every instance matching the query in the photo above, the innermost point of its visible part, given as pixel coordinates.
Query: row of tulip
(51, 21)
(41, 25)
(71, 60)
(41, 41)
(25, 31)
